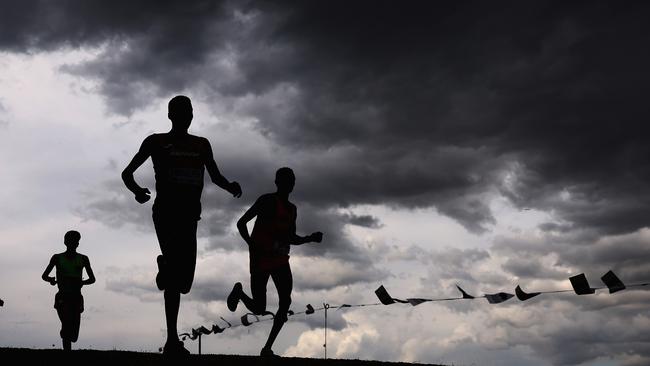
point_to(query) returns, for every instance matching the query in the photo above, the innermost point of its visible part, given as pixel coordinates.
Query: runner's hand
(52, 281)
(235, 189)
(316, 237)
(143, 196)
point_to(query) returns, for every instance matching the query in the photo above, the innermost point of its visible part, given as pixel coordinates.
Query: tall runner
(179, 159)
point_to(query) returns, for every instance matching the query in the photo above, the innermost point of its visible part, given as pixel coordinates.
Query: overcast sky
(486, 144)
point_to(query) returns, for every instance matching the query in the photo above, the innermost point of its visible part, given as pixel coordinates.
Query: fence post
(325, 306)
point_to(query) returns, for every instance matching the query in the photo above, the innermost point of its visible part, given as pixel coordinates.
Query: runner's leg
(283, 280)
(256, 304)
(177, 241)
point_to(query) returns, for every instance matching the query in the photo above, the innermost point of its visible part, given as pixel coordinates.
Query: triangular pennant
(2, 303)
(310, 309)
(581, 285)
(523, 296)
(499, 297)
(465, 294)
(217, 329)
(244, 319)
(290, 312)
(613, 283)
(416, 302)
(343, 306)
(227, 322)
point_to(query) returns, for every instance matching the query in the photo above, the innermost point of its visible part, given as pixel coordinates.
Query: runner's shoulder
(204, 142)
(266, 200)
(154, 139)
(266, 197)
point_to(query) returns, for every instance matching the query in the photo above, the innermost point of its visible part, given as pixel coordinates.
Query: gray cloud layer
(431, 104)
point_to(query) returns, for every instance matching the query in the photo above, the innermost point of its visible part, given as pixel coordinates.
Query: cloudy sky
(486, 144)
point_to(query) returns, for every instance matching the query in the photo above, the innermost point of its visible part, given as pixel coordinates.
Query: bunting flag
(523, 296)
(199, 331)
(416, 302)
(2, 303)
(579, 284)
(465, 295)
(385, 298)
(612, 282)
(229, 325)
(498, 298)
(244, 319)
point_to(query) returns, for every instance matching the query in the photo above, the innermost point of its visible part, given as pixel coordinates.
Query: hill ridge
(27, 356)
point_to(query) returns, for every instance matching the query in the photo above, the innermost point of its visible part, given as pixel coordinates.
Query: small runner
(68, 302)
(268, 245)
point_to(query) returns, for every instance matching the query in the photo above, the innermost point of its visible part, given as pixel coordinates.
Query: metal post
(326, 306)
(199, 343)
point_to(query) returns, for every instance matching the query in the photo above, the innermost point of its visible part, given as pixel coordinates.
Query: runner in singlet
(179, 160)
(68, 302)
(268, 245)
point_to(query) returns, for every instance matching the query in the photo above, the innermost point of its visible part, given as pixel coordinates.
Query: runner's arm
(141, 194)
(250, 214)
(91, 276)
(46, 274)
(215, 175)
(315, 237)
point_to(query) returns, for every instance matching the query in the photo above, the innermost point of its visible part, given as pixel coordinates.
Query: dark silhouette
(268, 245)
(68, 302)
(179, 160)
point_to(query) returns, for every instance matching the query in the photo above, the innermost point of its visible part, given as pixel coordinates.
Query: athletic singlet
(271, 234)
(178, 163)
(68, 272)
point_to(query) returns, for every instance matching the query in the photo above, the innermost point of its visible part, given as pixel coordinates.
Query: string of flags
(250, 318)
(579, 284)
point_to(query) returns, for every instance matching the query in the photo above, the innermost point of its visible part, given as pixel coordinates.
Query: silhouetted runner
(68, 302)
(268, 245)
(179, 160)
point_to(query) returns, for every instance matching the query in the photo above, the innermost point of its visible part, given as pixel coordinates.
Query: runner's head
(285, 180)
(71, 239)
(179, 111)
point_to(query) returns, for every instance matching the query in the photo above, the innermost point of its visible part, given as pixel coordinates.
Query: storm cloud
(409, 106)
(448, 101)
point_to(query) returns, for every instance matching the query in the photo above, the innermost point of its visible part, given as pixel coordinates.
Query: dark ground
(25, 356)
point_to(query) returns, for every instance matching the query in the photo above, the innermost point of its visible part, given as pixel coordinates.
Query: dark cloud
(324, 273)
(532, 268)
(430, 104)
(427, 105)
(627, 255)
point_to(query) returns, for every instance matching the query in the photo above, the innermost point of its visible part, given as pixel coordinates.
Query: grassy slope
(24, 356)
